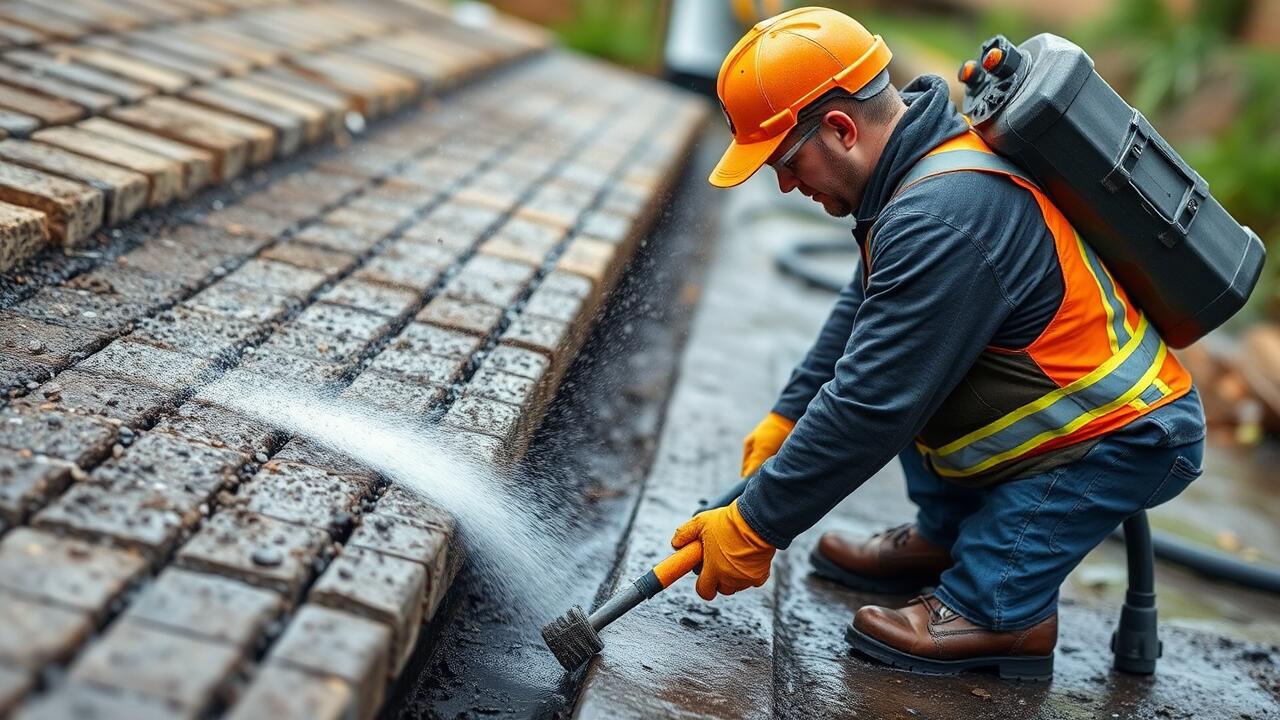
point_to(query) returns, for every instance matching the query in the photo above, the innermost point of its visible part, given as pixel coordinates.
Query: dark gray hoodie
(959, 262)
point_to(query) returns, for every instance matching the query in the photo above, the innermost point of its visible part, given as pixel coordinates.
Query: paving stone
(342, 322)
(73, 211)
(187, 265)
(424, 338)
(400, 503)
(568, 283)
(304, 451)
(187, 672)
(545, 303)
(530, 252)
(19, 374)
(220, 427)
(472, 286)
(27, 482)
(65, 571)
(35, 634)
(462, 218)
(394, 271)
(308, 343)
(198, 165)
(522, 392)
(593, 259)
(288, 202)
(149, 364)
(205, 335)
(164, 175)
(91, 100)
(418, 367)
(103, 312)
(242, 219)
(288, 125)
(330, 263)
(305, 495)
(545, 336)
(319, 121)
(277, 277)
(481, 414)
(23, 233)
(261, 551)
(145, 73)
(352, 241)
(132, 286)
(380, 299)
(55, 344)
(17, 124)
(75, 700)
(373, 223)
(303, 371)
(279, 692)
(420, 254)
(263, 140)
(207, 606)
(124, 192)
(390, 211)
(75, 438)
(163, 462)
(607, 226)
(128, 401)
(380, 587)
(417, 541)
(14, 686)
(389, 393)
(81, 74)
(241, 302)
(477, 318)
(229, 152)
(328, 642)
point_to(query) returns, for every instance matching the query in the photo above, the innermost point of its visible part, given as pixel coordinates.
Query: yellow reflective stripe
(1053, 396)
(1102, 293)
(1089, 415)
(1164, 389)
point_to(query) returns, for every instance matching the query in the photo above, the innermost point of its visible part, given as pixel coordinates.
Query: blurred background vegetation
(1206, 72)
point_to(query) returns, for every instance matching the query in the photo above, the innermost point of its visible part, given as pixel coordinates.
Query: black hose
(1210, 563)
(793, 261)
(1213, 564)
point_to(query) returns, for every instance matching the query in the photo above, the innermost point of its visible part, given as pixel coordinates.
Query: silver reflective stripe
(1111, 303)
(1059, 412)
(954, 160)
(1152, 395)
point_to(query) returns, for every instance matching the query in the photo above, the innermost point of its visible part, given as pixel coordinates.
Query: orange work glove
(734, 557)
(764, 441)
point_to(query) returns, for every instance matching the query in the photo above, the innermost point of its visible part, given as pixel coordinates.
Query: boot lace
(898, 534)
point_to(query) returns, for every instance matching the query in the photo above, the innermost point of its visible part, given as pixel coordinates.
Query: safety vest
(1097, 366)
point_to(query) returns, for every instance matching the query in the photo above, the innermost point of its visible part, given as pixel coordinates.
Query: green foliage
(624, 31)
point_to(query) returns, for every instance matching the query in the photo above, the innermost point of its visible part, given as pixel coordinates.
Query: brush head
(572, 639)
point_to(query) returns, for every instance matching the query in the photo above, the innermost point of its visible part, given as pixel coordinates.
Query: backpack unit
(1182, 258)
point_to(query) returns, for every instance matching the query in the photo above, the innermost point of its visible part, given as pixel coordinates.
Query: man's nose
(786, 181)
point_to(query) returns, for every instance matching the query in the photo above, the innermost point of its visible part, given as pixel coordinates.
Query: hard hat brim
(741, 161)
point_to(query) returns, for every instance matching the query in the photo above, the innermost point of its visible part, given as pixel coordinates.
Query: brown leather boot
(897, 560)
(928, 637)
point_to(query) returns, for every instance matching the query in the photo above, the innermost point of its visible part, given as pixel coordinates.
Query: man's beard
(839, 206)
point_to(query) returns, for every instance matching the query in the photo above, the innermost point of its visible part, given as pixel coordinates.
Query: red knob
(992, 59)
(968, 70)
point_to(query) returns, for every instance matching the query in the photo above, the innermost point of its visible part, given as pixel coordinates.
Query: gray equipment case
(1181, 257)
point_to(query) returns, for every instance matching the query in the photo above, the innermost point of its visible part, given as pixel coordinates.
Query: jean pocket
(1182, 473)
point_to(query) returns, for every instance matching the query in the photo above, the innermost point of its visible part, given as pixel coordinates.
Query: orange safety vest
(1097, 366)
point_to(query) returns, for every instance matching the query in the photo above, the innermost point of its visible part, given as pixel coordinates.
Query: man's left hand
(734, 557)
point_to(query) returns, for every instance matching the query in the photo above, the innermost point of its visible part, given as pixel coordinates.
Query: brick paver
(443, 267)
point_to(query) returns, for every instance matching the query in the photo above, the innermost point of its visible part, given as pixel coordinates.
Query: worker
(1032, 406)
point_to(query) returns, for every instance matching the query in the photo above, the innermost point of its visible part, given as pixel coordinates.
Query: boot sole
(826, 569)
(1033, 668)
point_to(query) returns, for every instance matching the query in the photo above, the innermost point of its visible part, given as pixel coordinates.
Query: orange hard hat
(778, 68)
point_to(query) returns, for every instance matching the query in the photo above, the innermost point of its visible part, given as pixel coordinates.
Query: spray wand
(574, 638)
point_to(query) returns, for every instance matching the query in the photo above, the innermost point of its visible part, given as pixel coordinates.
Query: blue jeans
(1013, 544)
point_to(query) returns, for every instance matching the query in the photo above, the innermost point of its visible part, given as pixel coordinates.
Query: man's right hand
(764, 441)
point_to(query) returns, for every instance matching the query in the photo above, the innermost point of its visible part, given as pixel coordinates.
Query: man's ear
(844, 126)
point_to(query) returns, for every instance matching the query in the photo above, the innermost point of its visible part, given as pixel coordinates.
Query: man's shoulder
(983, 205)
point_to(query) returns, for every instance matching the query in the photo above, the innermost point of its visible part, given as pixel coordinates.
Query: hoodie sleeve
(819, 365)
(932, 304)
